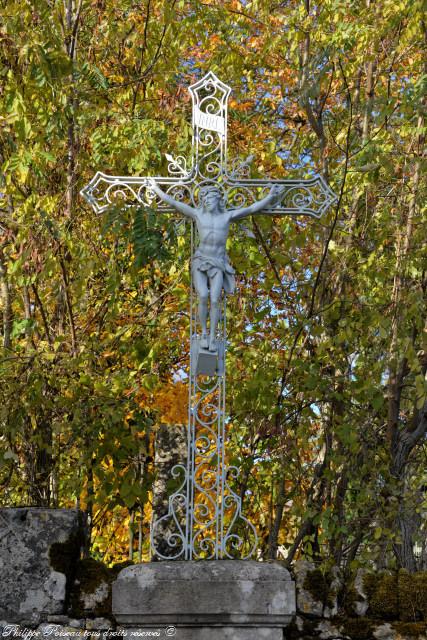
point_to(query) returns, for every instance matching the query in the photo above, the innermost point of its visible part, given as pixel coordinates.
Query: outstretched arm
(176, 204)
(257, 207)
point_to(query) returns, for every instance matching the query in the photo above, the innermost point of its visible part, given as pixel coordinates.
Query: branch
(69, 306)
(7, 302)
(408, 440)
(43, 314)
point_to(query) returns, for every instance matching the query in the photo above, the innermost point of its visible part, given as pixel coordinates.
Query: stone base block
(216, 599)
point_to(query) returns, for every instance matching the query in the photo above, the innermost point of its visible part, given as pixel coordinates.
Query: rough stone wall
(38, 551)
(366, 606)
(46, 590)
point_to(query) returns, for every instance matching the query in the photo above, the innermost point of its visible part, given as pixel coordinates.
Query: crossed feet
(208, 343)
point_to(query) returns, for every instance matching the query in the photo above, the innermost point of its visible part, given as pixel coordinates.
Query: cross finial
(210, 97)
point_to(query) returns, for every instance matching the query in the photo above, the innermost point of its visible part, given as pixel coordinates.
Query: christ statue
(211, 269)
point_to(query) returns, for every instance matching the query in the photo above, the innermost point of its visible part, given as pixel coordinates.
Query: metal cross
(204, 518)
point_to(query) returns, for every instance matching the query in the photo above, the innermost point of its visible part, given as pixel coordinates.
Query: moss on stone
(350, 598)
(412, 589)
(318, 584)
(358, 628)
(308, 631)
(382, 592)
(410, 629)
(64, 556)
(91, 575)
(116, 568)
(309, 627)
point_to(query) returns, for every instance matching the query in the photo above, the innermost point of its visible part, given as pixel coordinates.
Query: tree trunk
(39, 465)
(403, 440)
(6, 299)
(273, 541)
(89, 507)
(131, 534)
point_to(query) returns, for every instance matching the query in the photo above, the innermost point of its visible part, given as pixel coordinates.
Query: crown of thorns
(210, 189)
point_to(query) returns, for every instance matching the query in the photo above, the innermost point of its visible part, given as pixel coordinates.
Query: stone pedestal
(212, 600)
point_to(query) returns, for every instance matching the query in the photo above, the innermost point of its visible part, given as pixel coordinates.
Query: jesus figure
(210, 265)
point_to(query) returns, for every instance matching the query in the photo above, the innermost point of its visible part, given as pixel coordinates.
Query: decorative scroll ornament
(204, 518)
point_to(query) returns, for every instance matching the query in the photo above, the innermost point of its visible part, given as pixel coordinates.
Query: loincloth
(211, 266)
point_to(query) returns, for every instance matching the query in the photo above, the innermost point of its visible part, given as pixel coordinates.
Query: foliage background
(327, 400)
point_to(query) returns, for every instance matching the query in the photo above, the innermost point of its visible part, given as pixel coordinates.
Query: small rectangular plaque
(205, 362)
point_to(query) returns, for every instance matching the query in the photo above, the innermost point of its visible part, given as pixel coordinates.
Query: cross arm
(179, 206)
(105, 190)
(308, 197)
(258, 207)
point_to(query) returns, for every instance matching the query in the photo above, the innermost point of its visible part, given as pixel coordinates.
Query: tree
(328, 403)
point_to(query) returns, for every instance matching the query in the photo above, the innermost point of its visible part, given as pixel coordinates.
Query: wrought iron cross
(204, 518)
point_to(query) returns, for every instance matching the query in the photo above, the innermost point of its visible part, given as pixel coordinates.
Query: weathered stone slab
(38, 551)
(224, 594)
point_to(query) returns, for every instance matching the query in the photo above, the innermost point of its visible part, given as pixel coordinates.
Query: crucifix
(204, 518)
